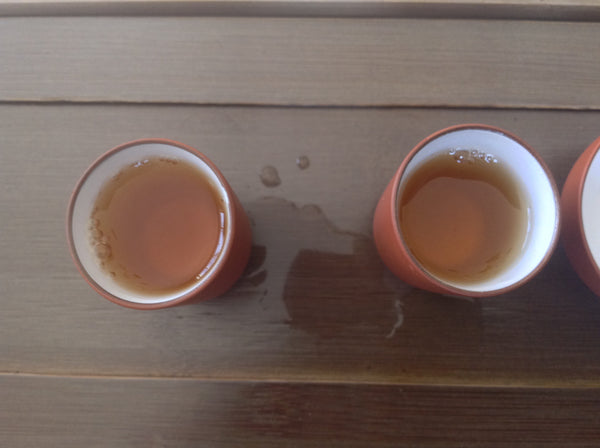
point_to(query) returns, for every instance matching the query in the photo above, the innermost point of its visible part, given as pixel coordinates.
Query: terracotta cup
(534, 181)
(220, 276)
(581, 217)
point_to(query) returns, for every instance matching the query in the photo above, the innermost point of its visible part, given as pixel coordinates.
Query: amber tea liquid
(463, 216)
(158, 226)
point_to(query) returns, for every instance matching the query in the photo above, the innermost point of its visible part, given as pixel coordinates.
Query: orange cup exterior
(396, 255)
(573, 235)
(233, 261)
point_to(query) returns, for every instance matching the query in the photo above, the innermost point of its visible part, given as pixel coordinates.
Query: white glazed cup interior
(87, 191)
(536, 186)
(590, 212)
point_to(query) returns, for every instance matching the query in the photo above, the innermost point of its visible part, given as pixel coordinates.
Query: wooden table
(318, 345)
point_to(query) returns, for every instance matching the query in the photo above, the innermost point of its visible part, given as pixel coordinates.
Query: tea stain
(285, 229)
(398, 306)
(319, 278)
(254, 274)
(337, 296)
(303, 162)
(360, 313)
(269, 176)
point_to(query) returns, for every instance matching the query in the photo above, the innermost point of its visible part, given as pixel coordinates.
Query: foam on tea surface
(463, 216)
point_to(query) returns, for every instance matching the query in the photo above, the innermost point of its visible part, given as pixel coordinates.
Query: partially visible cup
(472, 211)
(581, 216)
(153, 223)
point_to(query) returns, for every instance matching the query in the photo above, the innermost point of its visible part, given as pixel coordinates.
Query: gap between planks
(509, 385)
(192, 104)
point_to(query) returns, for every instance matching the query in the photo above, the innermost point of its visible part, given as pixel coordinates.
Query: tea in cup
(472, 211)
(153, 223)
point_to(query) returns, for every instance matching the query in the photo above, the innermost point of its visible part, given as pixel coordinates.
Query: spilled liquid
(302, 162)
(255, 274)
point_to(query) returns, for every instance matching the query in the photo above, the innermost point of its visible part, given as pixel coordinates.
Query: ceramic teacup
(581, 216)
(153, 223)
(472, 211)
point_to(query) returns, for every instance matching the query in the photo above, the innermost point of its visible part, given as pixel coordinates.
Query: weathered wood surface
(573, 10)
(97, 412)
(292, 61)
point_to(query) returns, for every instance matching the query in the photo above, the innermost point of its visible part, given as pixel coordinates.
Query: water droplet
(269, 176)
(302, 162)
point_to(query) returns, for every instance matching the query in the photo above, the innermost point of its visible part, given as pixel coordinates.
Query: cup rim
(450, 289)
(581, 181)
(226, 252)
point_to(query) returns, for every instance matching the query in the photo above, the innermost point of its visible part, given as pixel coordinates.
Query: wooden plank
(571, 10)
(316, 302)
(364, 62)
(74, 412)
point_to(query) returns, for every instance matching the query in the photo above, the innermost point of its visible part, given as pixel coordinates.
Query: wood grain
(76, 412)
(290, 61)
(571, 10)
(316, 302)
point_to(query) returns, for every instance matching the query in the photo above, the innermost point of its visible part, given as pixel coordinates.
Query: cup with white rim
(446, 241)
(581, 216)
(226, 259)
